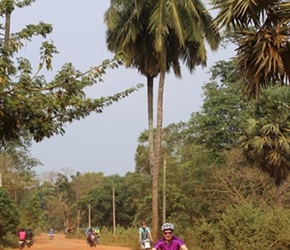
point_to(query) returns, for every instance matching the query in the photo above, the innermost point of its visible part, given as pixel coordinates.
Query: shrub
(245, 227)
(9, 216)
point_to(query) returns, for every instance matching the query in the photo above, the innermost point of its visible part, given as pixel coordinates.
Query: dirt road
(60, 242)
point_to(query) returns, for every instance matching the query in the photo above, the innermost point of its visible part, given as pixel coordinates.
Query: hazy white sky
(102, 142)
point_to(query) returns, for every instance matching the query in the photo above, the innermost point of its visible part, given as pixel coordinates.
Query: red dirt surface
(59, 242)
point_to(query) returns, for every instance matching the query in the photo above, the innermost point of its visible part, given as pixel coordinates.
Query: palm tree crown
(263, 46)
(266, 140)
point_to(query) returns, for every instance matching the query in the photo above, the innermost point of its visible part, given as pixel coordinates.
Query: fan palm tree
(266, 140)
(263, 47)
(155, 36)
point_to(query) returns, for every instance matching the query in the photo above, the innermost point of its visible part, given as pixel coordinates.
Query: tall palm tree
(180, 30)
(155, 36)
(126, 32)
(266, 140)
(263, 45)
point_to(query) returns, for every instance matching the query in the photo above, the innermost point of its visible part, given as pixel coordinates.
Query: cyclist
(169, 240)
(144, 234)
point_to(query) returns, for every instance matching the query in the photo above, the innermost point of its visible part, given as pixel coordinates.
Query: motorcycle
(21, 244)
(146, 244)
(97, 239)
(50, 236)
(92, 240)
(28, 242)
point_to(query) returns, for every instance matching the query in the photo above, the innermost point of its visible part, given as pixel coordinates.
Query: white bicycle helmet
(167, 226)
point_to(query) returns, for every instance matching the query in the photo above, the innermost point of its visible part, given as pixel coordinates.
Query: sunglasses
(167, 233)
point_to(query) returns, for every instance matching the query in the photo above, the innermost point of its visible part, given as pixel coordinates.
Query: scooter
(50, 236)
(92, 240)
(21, 244)
(28, 242)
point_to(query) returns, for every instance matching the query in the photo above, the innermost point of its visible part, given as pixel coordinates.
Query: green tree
(9, 216)
(100, 200)
(82, 183)
(30, 103)
(33, 212)
(217, 126)
(81, 186)
(266, 138)
(262, 32)
(57, 199)
(16, 169)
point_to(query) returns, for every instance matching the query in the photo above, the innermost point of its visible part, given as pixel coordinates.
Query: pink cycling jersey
(175, 244)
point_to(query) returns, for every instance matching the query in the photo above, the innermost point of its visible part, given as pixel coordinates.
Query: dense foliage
(9, 216)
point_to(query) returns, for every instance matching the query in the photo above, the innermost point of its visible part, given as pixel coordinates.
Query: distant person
(29, 234)
(29, 237)
(98, 234)
(144, 234)
(169, 240)
(97, 231)
(88, 229)
(51, 234)
(90, 233)
(22, 234)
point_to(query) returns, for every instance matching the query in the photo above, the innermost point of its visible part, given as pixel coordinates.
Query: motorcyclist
(29, 234)
(89, 234)
(22, 234)
(51, 233)
(169, 240)
(97, 232)
(144, 234)
(29, 237)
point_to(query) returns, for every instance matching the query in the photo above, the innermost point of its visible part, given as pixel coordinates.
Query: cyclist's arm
(150, 236)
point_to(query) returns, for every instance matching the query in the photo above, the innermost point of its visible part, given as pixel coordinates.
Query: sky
(103, 142)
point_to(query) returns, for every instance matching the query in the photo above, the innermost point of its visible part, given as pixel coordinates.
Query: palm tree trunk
(150, 122)
(158, 140)
(7, 23)
(279, 196)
